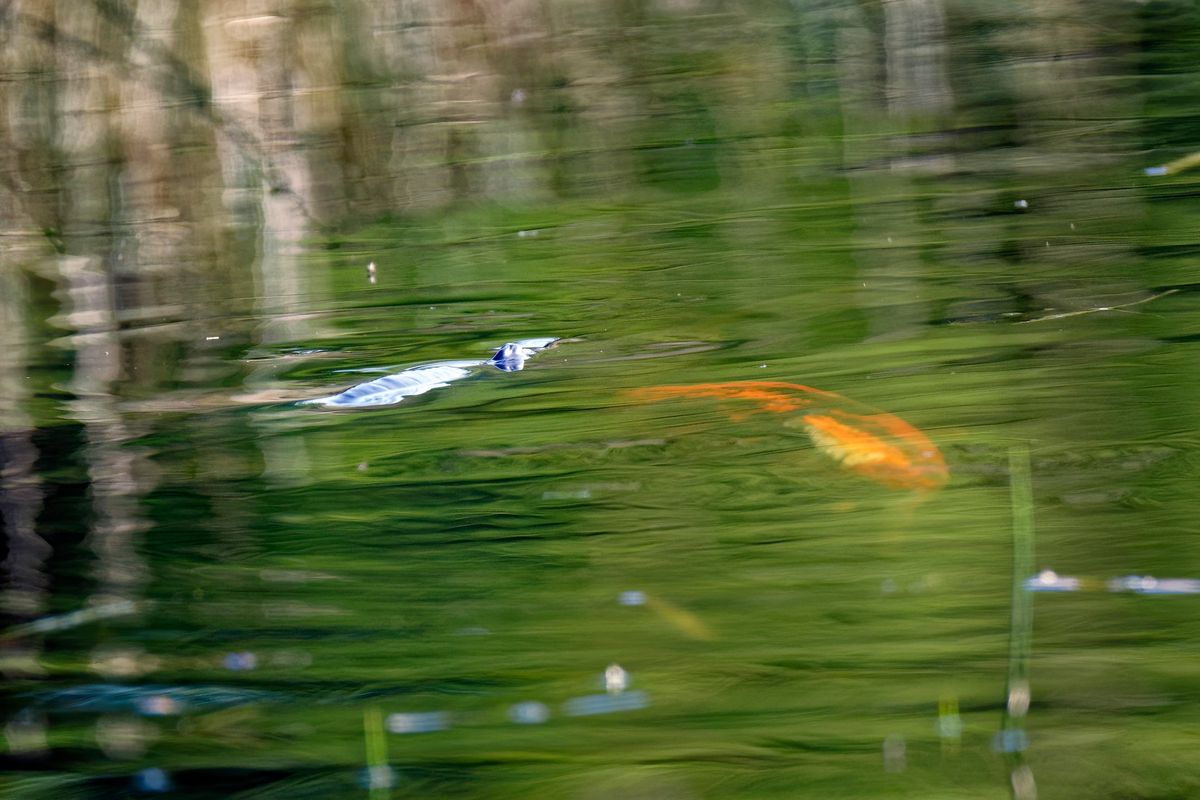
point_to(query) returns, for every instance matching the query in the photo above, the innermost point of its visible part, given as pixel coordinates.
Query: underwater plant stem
(376, 745)
(1012, 737)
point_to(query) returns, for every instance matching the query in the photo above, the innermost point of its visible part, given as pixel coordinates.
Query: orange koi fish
(875, 444)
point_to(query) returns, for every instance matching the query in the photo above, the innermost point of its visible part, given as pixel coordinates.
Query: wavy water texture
(872, 443)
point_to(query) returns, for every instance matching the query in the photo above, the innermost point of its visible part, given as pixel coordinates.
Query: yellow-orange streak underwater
(774, 396)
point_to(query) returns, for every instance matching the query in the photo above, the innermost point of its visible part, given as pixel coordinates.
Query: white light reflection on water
(240, 662)
(594, 704)
(1050, 581)
(73, 619)
(418, 722)
(122, 661)
(25, 733)
(152, 780)
(632, 597)
(949, 724)
(895, 753)
(1024, 787)
(159, 705)
(529, 712)
(123, 737)
(379, 776)
(1147, 584)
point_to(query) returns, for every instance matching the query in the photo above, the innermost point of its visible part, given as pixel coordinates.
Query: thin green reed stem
(1020, 637)
(1021, 632)
(376, 744)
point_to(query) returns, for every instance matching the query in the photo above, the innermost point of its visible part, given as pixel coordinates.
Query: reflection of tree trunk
(892, 111)
(87, 92)
(112, 466)
(1059, 93)
(383, 106)
(1071, 110)
(915, 49)
(258, 63)
(28, 199)
(24, 580)
(24, 584)
(275, 75)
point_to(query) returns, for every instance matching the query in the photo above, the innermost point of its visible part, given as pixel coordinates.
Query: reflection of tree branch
(176, 80)
(1097, 309)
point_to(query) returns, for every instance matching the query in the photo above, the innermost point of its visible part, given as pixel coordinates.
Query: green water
(278, 593)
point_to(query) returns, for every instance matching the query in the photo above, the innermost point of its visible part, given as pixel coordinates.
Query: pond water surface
(968, 572)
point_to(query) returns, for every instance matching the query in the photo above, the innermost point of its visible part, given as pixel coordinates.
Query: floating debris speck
(616, 679)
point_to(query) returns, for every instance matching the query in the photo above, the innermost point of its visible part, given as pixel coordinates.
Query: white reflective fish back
(392, 389)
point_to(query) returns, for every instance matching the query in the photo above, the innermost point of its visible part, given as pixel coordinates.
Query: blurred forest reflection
(153, 126)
